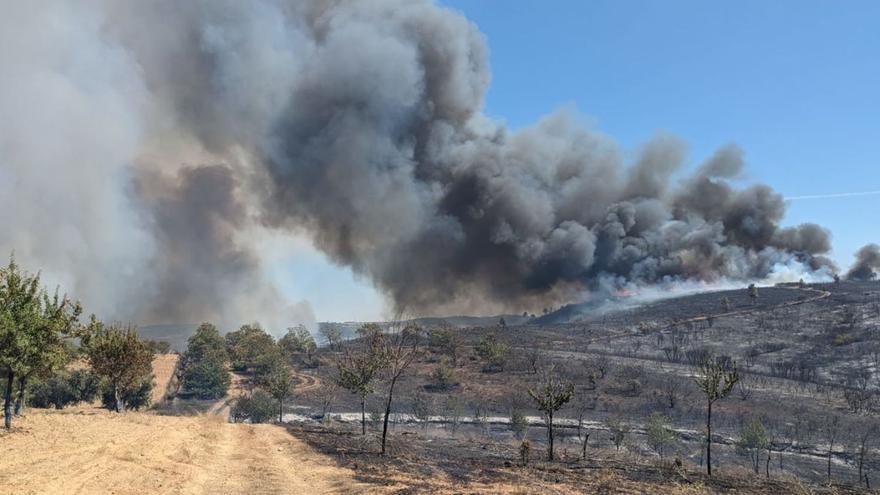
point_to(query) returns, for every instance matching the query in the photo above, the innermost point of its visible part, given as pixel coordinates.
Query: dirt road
(87, 450)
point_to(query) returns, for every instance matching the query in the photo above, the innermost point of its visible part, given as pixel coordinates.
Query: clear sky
(796, 84)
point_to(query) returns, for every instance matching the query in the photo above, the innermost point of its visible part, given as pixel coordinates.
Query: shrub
(494, 352)
(518, 424)
(134, 397)
(53, 392)
(443, 378)
(63, 389)
(256, 408)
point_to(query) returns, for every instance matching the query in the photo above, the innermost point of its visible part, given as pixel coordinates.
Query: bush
(136, 397)
(63, 389)
(443, 378)
(494, 352)
(257, 408)
(53, 392)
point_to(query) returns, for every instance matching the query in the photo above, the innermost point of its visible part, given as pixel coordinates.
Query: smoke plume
(149, 141)
(867, 264)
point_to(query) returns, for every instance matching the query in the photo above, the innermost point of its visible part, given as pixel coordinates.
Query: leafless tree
(399, 350)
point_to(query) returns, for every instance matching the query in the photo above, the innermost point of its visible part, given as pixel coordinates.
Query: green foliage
(752, 440)
(298, 342)
(443, 378)
(206, 379)
(661, 437)
(259, 407)
(493, 351)
(134, 397)
(33, 327)
(250, 348)
(618, 429)
(55, 392)
(204, 373)
(518, 424)
(278, 381)
(117, 355)
(549, 398)
(446, 340)
(158, 346)
(63, 388)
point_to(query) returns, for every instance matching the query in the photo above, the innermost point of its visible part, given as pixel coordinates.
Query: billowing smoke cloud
(867, 264)
(361, 124)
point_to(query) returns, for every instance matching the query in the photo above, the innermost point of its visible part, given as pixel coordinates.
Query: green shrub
(136, 397)
(208, 379)
(63, 389)
(52, 392)
(259, 407)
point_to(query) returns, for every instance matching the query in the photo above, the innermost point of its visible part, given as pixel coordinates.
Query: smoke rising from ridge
(867, 264)
(189, 126)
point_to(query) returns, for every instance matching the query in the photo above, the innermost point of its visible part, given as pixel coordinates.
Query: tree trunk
(363, 415)
(584, 447)
(117, 396)
(19, 400)
(387, 413)
(830, 446)
(550, 434)
(767, 466)
(709, 439)
(7, 399)
(280, 410)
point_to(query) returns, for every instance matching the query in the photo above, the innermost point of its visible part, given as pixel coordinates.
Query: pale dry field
(88, 450)
(163, 369)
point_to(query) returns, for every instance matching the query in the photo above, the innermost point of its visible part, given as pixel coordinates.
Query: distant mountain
(176, 335)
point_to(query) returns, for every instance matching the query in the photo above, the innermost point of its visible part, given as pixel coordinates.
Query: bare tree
(864, 437)
(549, 398)
(831, 428)
(716, 380)
(400, 348)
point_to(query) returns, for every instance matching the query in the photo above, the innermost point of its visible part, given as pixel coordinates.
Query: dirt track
(87, 450)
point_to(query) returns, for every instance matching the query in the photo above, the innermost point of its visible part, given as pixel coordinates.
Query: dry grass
(88, 450)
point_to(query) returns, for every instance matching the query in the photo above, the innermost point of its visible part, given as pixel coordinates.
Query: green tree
(250, 347)
(493, 351)
(279, 383)
(33, 327)
(716, 379)
(358, 365)
(204, 371)
(116, 354)
(660, 436)
(752, 440)
(298, 341)
(549, 398)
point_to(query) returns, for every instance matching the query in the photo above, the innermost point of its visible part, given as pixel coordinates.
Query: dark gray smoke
(361, 124)
(867, 264)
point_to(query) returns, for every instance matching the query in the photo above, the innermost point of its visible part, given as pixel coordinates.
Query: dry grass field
(87, 450)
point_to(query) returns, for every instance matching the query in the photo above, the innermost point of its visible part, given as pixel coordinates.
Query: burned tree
(549, 398)
(399, 349)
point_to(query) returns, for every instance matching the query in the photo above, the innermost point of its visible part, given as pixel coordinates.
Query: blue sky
(796, 84)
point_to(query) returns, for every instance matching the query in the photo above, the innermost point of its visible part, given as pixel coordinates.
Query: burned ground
(806, 355)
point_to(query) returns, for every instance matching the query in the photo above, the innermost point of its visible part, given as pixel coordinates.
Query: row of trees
(41, 333)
